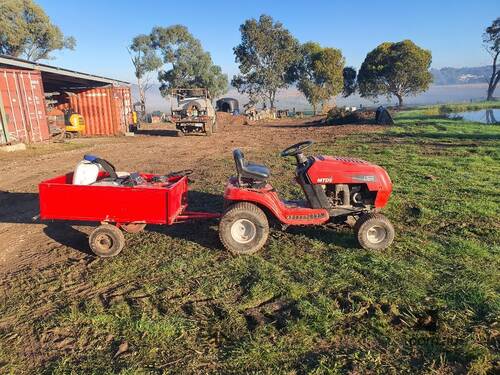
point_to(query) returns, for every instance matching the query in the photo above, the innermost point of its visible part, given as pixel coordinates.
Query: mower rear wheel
(374, 231)
(106, 241)
(243, 229)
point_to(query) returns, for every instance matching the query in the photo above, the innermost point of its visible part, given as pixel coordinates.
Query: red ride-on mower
(335, 189)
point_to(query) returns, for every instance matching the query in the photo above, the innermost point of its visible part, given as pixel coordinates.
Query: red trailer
(127, 207)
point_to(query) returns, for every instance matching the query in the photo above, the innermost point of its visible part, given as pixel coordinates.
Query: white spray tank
(86, 171)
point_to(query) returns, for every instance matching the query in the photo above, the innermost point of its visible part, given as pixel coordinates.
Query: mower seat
(250, 171)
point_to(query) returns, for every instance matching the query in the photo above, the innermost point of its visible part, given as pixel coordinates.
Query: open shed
(229, 105)
(28, 90)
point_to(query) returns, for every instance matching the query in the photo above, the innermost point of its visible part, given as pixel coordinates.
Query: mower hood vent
(350, 160)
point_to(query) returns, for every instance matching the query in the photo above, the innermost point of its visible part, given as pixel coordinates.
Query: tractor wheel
(374, 231)
(106, 241)
(133, 227)
(243, 229)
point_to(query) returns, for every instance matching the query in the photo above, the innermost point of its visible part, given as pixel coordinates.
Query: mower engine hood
(343, 170)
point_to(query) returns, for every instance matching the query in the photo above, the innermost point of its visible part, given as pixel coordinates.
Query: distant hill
(458, 76)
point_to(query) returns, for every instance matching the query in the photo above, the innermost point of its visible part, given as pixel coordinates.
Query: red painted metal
(290, 213)
(151, 203)
(339, 170)
(106, 110)
(24, 104)
(323, 170)
(196, 215)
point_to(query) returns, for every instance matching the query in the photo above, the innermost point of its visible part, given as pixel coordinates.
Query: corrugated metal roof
(55, 72)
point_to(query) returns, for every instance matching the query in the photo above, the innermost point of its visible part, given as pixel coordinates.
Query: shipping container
(106, 110)
(23, 104)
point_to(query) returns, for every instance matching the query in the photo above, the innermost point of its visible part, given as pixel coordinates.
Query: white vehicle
(193, 112)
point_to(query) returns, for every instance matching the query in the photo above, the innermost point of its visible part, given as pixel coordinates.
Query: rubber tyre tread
(116, 235)
(362, 225)
(249, 211)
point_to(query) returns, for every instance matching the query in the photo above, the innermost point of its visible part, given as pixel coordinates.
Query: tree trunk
(490, 93)
(495, 77)
(314, 108)
(142, 98)
(272, 96)
(400, 100)
(492, 86)
(143, 102)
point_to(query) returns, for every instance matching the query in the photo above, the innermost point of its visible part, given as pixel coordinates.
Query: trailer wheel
(243, 229)
(106, 241)
(374, 231)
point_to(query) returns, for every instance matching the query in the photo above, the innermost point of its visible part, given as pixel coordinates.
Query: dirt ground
(23, 241)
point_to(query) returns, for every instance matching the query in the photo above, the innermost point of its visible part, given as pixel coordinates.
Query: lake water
(486, 116)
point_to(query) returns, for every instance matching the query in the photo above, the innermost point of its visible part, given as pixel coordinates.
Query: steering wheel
(296, 148)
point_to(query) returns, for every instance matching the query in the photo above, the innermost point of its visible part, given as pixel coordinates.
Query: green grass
(428, 305)
(437, 110)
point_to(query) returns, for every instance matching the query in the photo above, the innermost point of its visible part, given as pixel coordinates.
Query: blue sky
(103, 28)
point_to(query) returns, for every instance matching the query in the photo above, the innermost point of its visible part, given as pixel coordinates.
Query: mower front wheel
(243, 229)
(374, 231)
(106, 241)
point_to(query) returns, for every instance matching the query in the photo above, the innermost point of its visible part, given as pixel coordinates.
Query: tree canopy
(189, 65)
(143, 56)
(398, 69)
(145, 60)
(491, 40)
(27, 32)
(266, 56)
(320, 73)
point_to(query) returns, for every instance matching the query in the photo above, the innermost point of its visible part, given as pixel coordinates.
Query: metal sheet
(24, 105)
(106, 111)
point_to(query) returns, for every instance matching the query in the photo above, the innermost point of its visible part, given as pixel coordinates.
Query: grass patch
(441, 110)
(311, 301)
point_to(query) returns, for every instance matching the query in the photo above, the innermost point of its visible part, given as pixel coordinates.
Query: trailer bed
(159, 203)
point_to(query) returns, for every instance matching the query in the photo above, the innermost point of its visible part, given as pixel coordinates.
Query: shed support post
(4, 131)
